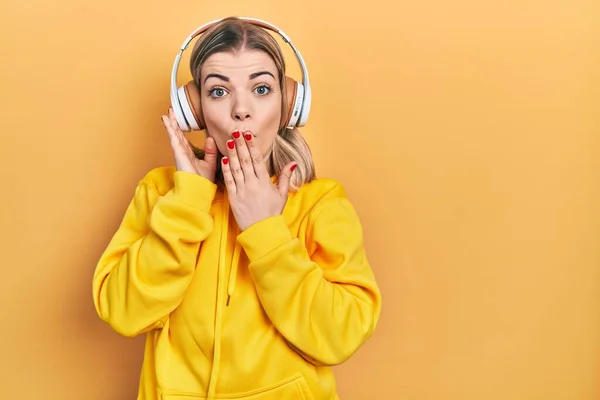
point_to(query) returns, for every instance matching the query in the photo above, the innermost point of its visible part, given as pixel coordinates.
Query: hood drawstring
(233, 271)
(223, 256)
(235, 259)
(230, 289)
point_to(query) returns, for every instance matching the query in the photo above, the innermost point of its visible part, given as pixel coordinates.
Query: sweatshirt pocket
(294, 388)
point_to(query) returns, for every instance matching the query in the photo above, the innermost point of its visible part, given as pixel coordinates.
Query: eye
(262, 90)
(217, 92)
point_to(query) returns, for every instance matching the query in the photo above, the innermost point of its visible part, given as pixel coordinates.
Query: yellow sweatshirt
(256, 315)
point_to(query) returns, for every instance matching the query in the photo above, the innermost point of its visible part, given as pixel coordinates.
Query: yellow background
(466, 132)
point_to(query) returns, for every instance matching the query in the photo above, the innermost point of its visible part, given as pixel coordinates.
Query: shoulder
(161, 179)
(320, 190)
(324, 195)
(329, 212)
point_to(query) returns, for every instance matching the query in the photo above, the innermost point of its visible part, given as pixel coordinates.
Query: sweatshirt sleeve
(147, 266)
(320, 295)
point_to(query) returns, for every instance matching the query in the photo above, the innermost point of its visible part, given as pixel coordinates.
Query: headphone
(185, 100)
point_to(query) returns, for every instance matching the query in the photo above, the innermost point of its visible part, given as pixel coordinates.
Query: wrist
(260, 238)
(194, 189)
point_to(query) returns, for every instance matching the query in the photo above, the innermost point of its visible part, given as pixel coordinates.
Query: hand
(253, 196)
(185, 159)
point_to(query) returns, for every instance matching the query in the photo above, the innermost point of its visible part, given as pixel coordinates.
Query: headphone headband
(300, 112)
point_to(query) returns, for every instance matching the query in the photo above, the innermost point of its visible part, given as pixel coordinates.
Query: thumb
(210, 151)
(283, 183)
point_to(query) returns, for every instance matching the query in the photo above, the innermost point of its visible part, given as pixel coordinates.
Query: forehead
(241, 62)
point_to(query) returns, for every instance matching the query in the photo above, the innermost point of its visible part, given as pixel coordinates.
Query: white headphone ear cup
(305, 107)
(296, 106)
(186, 111)
(179, 115)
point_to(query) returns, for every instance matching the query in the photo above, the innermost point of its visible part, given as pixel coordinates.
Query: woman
(247, 273)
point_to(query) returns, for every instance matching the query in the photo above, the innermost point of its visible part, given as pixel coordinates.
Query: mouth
(244, 132)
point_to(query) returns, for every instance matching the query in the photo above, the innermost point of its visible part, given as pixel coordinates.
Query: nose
(241, 109)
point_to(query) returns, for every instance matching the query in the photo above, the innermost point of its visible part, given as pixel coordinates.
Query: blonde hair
(233, 35)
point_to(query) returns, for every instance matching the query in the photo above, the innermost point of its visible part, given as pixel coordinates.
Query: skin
(241, 103)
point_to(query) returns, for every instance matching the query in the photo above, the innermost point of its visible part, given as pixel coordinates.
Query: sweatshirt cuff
(194, 190)
(264, 236)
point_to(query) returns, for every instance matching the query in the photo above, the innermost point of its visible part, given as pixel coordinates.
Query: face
(240, 92)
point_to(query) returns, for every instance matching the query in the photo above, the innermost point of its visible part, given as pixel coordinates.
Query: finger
(173, 120)
(285, 178)
(227, 175)
(243, 154)
(167, 124)
(210, 151)
(177, 134)
(234, 163)
(175, 141)
(258, 162)
(173, 123)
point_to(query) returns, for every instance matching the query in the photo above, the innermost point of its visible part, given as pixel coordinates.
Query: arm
(143, 273)
(322, 296)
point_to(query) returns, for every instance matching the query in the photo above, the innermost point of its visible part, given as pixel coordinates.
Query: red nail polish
(248, 137)
(230, 144)
(294, 167)
(225, 160)
(236, 135)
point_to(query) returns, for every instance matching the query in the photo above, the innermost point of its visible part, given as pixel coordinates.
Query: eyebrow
(226, 79)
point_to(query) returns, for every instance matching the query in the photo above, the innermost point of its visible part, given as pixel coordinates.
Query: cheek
(269, 121)
(213, 119)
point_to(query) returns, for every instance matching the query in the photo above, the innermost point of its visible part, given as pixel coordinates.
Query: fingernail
(230, 144)
(294, 167)
(236, 135)
(248, 137)
(225, 160)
